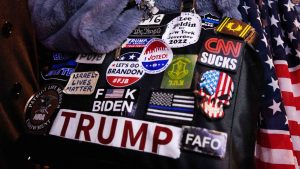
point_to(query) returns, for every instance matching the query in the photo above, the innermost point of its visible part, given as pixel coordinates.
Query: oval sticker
(183, 30)
(156, 56)
(125, 71)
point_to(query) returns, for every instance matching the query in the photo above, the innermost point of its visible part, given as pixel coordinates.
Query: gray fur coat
(85, 26)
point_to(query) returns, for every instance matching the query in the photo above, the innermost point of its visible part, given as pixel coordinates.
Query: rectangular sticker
(82, 83)
(153, 20)
(148, 31)
(204, 141)
(120, 102)
(135, 42)
(221, 53)
(179, 74)
(158, 139)
(90, 58)
(171, 107)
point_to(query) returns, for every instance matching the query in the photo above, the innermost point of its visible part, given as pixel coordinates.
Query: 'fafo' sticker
(204, 141)
(183, 30)
(125, 71)
(156, 56)
(41, 106)
(82, 83)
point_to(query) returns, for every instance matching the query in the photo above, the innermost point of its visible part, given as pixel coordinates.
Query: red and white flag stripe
(289, 84)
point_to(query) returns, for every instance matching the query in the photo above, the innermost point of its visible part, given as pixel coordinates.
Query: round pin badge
(41, 106)
(156, 56)
(125, 71)
(183, 30)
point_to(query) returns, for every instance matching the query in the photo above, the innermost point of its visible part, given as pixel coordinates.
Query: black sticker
(153, 27)
(148, 31)
(204, 141)
(171, 107)
(120, 102)
(60, 70)
(41, 107)
(221, 53)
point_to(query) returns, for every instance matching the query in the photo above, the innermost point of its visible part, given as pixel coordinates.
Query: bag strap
(188, 6)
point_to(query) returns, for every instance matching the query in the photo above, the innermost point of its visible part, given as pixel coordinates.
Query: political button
(41, 107)
(183, 30)
(204, 141)
(156, 56)
(125, 71)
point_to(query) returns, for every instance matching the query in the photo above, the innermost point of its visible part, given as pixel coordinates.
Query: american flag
(278, 141)
(171, 106)
(114, 93)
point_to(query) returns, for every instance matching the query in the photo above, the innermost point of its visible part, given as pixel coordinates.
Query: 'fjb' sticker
(125, 71)
(156, 56)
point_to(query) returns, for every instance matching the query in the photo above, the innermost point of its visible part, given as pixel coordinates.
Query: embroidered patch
(125, 71)
(40, 108)
(237, 28)
(179, 74)
(90, 58)
(183, 30)
(210, 21)
(204, 141)
(156, 56)
(135, 42)
(143, 136)
(234, 27)
(120, 102)
(168, 106)
(82, 83)
(215, 89)
(222, 53)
